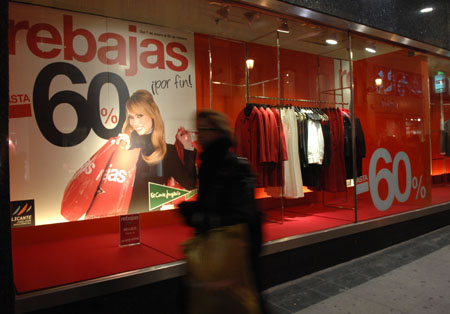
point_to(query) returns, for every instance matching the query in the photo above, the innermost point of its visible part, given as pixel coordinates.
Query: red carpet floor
(46, 261)
(55, 263)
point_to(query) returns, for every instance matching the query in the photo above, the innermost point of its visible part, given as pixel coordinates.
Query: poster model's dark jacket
(170, 166)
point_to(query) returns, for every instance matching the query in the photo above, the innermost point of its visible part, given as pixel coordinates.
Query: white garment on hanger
(315, 142)
(293, 183)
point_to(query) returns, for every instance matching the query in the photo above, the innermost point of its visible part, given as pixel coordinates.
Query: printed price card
(130, 230)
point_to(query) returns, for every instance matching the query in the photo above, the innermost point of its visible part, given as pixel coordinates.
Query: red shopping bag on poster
(103, 185)
(114, 193)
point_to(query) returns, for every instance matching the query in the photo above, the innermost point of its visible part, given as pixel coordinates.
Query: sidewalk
(408, 278)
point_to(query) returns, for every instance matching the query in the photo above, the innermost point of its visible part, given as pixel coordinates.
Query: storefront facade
(352, 127)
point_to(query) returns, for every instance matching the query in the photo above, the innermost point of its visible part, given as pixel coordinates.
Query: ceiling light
(371, 48)
(378, 81)
(426, 10)
(284, 27)
(250, 63)
(332, 39)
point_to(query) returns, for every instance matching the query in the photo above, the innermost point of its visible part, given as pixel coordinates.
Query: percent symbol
(108, 114)
(417, 185)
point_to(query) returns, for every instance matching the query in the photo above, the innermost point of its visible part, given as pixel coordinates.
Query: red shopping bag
(114, 193)
(103, 185)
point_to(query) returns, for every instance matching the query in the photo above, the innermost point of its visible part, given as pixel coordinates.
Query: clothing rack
(313, 101)
(228, 84)
(300, 100)
(247, 85)
(324, 202)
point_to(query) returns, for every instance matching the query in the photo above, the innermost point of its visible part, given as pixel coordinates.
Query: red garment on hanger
(250, 139)
(334, 176)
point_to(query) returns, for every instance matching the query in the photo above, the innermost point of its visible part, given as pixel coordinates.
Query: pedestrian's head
(212, 126)
(144, 118)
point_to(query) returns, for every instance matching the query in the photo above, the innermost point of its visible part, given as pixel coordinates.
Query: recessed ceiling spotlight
(371, 48)
(331, 41)
(426, 10)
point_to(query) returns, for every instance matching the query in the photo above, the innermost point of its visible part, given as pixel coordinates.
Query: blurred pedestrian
(225, 204)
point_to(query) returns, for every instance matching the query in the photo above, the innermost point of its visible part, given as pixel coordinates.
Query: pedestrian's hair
(218, 121)
(142, 99)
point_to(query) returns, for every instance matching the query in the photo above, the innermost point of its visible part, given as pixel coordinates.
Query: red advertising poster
(130, 230)
(99, 109)
(391, 101)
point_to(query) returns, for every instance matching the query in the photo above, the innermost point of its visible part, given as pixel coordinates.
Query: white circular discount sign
(391, 178)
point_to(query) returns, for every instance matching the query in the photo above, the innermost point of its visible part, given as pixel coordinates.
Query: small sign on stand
(130, 230)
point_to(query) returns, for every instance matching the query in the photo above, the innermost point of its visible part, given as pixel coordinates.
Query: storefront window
(324, 155)
(254, 62)
(315, 79)
(299, 71)
(438, 77)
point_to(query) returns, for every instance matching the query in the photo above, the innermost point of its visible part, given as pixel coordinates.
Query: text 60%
(392, 180)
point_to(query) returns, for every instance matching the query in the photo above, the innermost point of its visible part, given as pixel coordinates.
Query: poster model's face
(140, 121)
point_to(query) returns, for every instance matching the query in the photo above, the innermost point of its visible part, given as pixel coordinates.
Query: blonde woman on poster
(158, 161)
(115, 180)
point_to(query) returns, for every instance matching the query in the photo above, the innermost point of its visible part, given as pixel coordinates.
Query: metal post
(210, 72)
(247, 74)
(279, 97)
(352, 112)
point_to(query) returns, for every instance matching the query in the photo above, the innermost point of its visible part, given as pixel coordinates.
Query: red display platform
(54, 255)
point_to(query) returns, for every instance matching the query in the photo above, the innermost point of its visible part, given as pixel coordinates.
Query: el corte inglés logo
(160, 195)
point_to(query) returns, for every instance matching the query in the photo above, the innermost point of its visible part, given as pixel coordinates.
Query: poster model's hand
(124, 139)
(185, 138)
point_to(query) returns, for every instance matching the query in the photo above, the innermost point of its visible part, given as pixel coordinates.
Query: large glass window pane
(391, 101)
(292, 67)
(438, 72)
(315, 77)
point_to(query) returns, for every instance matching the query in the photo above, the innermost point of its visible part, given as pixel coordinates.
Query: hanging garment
(360, 146)
(282, 137)
(276, 172)
(250, 139)
(302, 139)
(359, 143)
(334, 176)
(315, 142)
(311, 172)
(270, 167)
(293, 183)
(273, 147)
